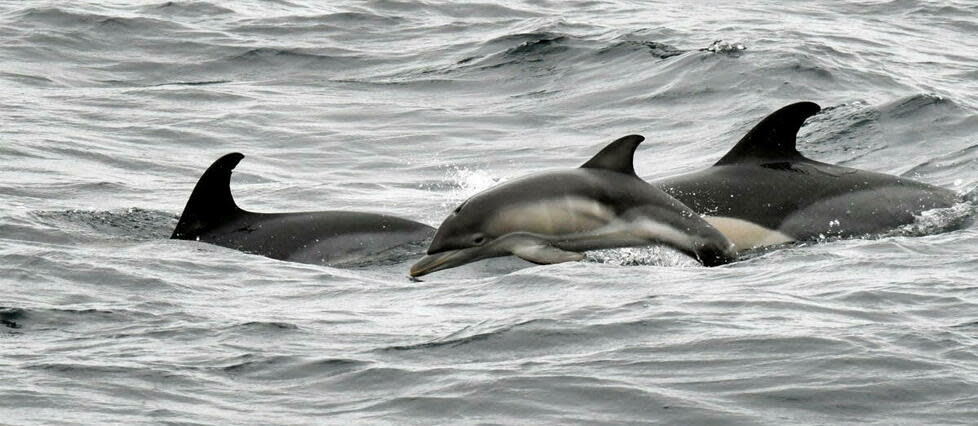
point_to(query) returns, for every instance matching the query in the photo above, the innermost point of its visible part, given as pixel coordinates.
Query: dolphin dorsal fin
(774, 137)
(211, 203)
(617, 156)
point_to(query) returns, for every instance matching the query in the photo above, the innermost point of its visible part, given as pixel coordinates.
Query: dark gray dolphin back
(211, 204)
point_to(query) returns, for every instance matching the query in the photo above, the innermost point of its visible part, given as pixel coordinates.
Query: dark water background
(109, 111)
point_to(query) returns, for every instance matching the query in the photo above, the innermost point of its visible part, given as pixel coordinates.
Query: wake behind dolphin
(551, 217)
(764, 192)
(324, 237)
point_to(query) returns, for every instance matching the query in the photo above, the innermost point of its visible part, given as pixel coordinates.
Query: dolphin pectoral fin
(543, 254)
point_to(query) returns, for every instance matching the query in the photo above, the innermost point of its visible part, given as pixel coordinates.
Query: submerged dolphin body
(764, 192)
(325, 238)
(551, 217)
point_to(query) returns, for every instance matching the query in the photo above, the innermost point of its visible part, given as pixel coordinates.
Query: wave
(29, 79)
(849, 133)
(653, 48)
(64, 19)
(299, 25)
(287, 368)
(919, 104)
(947, 169)
(525, 335)
(468, 10)
(188, 9)
(548, 48)
(291, 47)
(848, 129)
(529, 336)
(538, 51)
(123, 49)
(46, 319)
(132, 223)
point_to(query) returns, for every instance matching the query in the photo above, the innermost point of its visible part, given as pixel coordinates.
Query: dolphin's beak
(445, 260)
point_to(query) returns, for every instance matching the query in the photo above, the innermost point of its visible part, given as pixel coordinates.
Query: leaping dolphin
(551, 217)
(325, 238)
(764, 192)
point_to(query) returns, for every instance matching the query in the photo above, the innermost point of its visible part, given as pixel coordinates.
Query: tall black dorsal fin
(617, 156)
(211, 203)
(774, 137)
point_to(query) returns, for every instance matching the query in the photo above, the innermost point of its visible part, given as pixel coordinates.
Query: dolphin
(325, 237)
(551, 217)
(764, 192)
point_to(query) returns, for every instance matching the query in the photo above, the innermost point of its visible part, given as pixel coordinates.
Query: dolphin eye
(479, 240)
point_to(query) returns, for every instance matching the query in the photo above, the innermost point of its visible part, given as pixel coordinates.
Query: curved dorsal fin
(774, 137)
(617, 156)
(211, 203)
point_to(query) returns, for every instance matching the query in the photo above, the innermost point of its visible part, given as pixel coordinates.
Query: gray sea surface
(111, 110)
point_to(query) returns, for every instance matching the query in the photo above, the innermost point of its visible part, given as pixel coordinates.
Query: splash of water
(725, 47)
(939, 220)
(466, 183)
(635, 256)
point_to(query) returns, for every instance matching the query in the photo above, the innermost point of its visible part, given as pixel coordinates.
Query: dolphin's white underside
(747, 235)
(563, 215)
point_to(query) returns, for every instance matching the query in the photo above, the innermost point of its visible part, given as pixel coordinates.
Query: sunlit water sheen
(111, 111)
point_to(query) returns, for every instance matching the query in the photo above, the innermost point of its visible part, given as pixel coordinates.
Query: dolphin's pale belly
(747, 235)
(558, 216)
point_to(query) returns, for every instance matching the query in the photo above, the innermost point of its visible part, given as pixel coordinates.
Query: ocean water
(110, 111)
